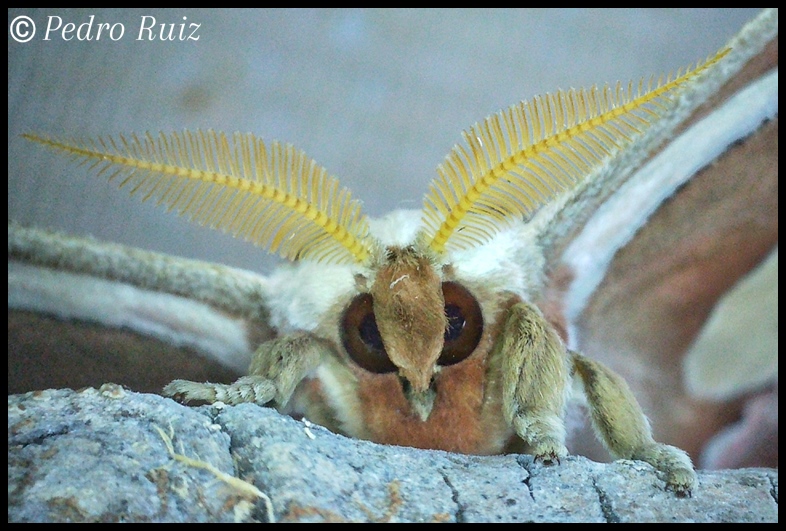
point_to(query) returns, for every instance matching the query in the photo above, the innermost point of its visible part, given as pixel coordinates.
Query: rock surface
(102, 455)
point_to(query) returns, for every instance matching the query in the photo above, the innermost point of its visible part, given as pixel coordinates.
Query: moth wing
(639, 257)
(83, 312)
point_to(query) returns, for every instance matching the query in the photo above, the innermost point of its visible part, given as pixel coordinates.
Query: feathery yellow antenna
(522, 157)
(275, 197)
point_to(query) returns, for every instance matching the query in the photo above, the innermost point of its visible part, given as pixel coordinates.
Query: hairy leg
(621, 425)
(276, 369)
(535, 381)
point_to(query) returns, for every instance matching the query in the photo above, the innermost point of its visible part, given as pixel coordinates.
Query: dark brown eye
(361, 337)
(465, 324)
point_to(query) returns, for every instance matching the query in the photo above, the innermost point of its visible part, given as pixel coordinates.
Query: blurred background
(378, 97)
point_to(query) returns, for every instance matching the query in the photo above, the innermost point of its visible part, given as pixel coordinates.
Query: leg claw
(680, 490)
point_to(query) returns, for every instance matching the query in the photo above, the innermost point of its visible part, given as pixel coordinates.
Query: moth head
(412, 322)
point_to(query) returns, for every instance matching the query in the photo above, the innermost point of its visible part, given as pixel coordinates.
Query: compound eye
(465, 324)
(361, 337)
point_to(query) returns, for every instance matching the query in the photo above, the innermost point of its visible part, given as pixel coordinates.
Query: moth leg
(277, 367)
(622, 427)
(535, 381)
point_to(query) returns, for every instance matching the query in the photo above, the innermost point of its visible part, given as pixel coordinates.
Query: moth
(422, 328)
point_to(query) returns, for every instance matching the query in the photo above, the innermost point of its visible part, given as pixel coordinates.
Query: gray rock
(98, 455)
